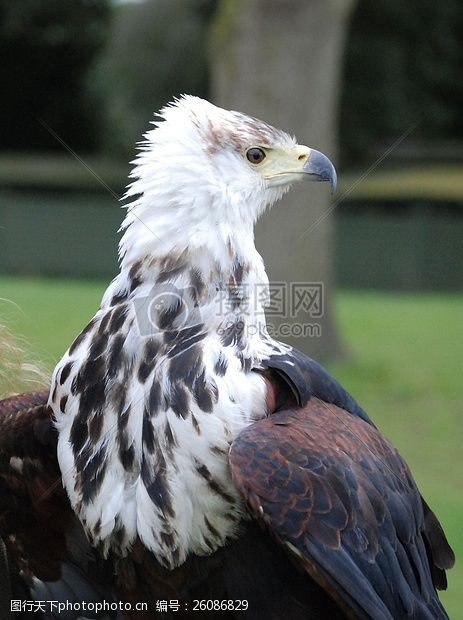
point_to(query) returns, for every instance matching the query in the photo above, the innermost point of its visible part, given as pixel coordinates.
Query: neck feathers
(186, 289)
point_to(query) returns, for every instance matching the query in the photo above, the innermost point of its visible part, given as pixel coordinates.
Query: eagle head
(204, 174)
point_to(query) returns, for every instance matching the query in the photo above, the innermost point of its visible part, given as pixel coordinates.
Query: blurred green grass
(404, 367)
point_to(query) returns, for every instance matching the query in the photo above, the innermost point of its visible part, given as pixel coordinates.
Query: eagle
(182, 455)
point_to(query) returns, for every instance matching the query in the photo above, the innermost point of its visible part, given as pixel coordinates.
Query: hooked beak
(283, 166)
(318, 167)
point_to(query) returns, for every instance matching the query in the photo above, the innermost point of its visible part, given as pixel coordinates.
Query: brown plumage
(33, 506)
(340, 498)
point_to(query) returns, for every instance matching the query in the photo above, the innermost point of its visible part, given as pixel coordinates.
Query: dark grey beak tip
(321, 167)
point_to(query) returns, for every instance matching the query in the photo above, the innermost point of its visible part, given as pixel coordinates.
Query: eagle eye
(255, 155)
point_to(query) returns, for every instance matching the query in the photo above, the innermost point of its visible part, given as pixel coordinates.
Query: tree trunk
(281, 61)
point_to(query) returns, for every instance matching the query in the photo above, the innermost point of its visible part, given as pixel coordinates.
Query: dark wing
(48, 554)
(306, 378)
(343, 502)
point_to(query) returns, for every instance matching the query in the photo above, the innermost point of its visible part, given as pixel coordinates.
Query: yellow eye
(255, 155)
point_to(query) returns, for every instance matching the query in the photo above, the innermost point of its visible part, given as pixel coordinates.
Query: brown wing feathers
(338, 495)
(33, 508)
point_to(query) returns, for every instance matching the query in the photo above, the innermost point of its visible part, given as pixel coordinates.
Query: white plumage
(151, 395)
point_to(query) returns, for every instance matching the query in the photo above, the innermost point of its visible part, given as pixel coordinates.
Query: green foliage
(62, 62)
(157, 50)
(46, 49)
(403, 62)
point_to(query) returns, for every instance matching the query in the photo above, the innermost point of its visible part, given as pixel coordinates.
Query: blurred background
(375, 84)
